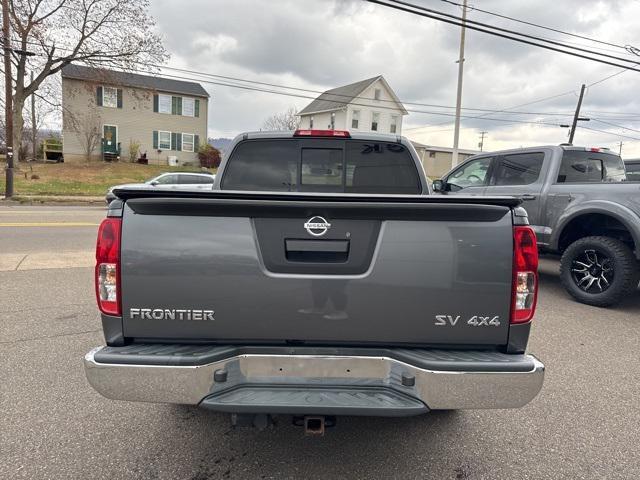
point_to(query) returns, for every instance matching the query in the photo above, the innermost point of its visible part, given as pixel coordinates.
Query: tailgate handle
(317, 251)
(327, 246)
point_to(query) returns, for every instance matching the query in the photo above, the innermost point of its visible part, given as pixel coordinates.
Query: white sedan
(170, 181)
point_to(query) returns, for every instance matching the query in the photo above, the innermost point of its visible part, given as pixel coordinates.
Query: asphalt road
(584, 424)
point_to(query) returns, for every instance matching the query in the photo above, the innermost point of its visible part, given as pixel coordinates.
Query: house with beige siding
(436, 161)
(366, 106)
(107, 114)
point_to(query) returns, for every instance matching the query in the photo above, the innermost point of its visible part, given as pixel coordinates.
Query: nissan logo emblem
(317, 226)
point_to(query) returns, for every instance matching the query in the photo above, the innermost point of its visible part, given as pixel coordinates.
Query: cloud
(325, 43)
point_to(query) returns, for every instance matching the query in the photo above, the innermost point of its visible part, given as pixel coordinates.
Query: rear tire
(599, 271)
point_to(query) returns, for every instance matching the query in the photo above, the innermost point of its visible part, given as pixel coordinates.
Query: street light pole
(456, 131)
(8, 102)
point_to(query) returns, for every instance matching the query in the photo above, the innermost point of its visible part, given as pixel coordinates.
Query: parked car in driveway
(171, 181)
(579, 204)
(319, 277)
(632, 166)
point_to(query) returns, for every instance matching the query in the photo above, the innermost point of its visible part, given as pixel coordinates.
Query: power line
(608, 132)
(337, 102)
(328, 93)
(512, 32)
(507, 109)
(583, 37)
(608, 77)
(491, 112)
(207, 74)
(433, 14)
(616, 125)
(289, 94)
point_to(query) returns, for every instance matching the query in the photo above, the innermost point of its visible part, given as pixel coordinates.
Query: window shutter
(155, 103)
(174, 141)
(196, 108)
(155, 139)
(99, 96)
(179, 106)
(119, 98)
(196, 143)
(178, 142)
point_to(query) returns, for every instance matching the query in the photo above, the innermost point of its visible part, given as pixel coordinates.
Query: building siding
(440, 163)
(135, 121)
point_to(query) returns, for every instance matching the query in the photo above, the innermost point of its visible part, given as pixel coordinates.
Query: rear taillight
(322, 133)
(108, 266)
(525, 275)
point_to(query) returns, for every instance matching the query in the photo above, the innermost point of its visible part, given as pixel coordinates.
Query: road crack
(20, 262)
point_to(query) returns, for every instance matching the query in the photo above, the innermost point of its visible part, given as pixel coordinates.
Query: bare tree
(54, 33)
(287, 120)
(47, 114)
(87, 127)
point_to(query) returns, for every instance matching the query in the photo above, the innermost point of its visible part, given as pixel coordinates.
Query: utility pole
(8, 103)
(620, 149)
(577, 117)
(482, 135)
(456, 132)
(34, 149)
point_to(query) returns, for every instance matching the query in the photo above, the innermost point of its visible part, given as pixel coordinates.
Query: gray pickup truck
(580, 205)
(318, 278)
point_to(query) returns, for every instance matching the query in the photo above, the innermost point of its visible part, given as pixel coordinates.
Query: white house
(366, 106)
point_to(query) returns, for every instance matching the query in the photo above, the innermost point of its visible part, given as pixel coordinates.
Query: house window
(355, 119)
(187, 142)
(164, 104)
(311, 121)
(376, 94)
(164, 138)
(394, 124)
(188, 107)
(333, 121)
(375, 119)
(110, 97)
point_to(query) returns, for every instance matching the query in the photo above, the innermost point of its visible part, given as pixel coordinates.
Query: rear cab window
(580, 166)
(316, 165)
(633, 171)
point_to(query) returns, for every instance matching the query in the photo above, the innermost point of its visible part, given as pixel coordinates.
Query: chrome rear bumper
(449, 388)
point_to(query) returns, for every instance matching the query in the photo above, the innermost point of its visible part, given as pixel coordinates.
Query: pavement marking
(46, 260)
(49, 224)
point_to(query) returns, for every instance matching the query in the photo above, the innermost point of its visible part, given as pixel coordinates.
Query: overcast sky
(321, 44)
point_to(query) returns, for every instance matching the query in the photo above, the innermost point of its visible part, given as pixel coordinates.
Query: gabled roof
(127, 79)
(339, 97)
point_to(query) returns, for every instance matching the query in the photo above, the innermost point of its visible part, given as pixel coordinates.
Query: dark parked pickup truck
(317, 278)
(579, 203)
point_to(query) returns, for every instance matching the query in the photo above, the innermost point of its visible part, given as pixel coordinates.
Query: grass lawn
(90, 179)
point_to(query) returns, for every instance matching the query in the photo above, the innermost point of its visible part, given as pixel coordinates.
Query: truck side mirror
(438, 185)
